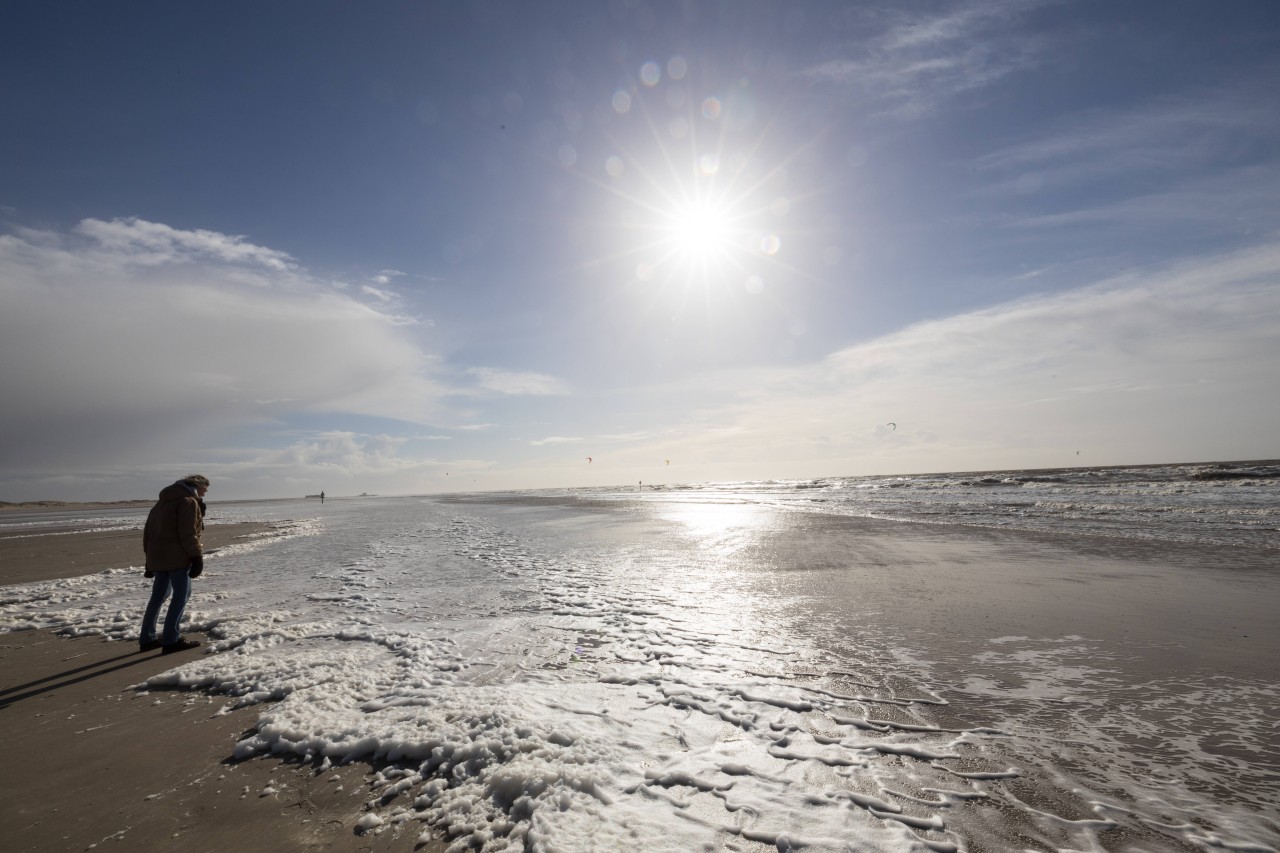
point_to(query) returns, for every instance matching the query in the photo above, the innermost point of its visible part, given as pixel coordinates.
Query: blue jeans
(178, 581)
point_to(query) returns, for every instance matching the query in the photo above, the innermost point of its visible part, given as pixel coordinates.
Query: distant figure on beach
(322, 496)
(171, 540)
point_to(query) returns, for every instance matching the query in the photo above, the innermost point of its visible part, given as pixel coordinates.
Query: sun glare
(700, 231)
(699, 193)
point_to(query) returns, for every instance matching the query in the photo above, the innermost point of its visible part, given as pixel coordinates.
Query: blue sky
(412, 247)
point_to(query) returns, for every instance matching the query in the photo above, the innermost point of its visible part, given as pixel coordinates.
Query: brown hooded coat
(171, 537)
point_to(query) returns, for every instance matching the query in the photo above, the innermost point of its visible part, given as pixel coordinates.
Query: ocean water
(1217, 503)
(811, 665)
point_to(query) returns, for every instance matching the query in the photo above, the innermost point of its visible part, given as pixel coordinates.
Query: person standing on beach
(171, 540)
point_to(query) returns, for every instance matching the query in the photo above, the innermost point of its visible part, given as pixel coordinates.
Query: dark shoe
(148, 645)
(180, 646)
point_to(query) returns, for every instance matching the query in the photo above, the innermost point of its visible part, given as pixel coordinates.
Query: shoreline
(146, 503)
(54, 554)
(36, 506)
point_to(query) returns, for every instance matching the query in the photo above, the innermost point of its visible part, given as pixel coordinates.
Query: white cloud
(138, 241)
(517, 382)
(918, 62)
(336, 461)
(1178, 169)
(555, 439)
(130, 340)
(952, 26)
(1238, 201)
(376, 293)
(387, 276)
(1172, 143)
(1175, 364)
(339, 456)
(1170, 133)
(338, 452)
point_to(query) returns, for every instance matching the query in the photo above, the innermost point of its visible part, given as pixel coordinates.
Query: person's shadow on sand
(10, 695)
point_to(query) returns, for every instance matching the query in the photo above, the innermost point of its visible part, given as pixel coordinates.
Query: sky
(412, 247)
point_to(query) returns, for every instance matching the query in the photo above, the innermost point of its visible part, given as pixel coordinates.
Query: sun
(699, 197)
(700, 231)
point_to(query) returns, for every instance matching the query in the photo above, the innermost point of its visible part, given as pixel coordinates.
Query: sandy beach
(65, 552)
(37, 506)
(148, 769)
(151, 770)
(1086, 644)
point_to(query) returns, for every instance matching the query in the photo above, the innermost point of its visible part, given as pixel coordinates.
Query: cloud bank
(1172, 364)
(135, 342)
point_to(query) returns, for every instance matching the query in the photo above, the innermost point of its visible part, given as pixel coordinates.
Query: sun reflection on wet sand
(723, 527)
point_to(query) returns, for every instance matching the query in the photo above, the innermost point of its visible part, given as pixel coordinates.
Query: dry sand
(68, 553)
(29, 506)
(91, 762)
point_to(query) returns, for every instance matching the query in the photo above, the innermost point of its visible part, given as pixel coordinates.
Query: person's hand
(197, 566)
(148, 574)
